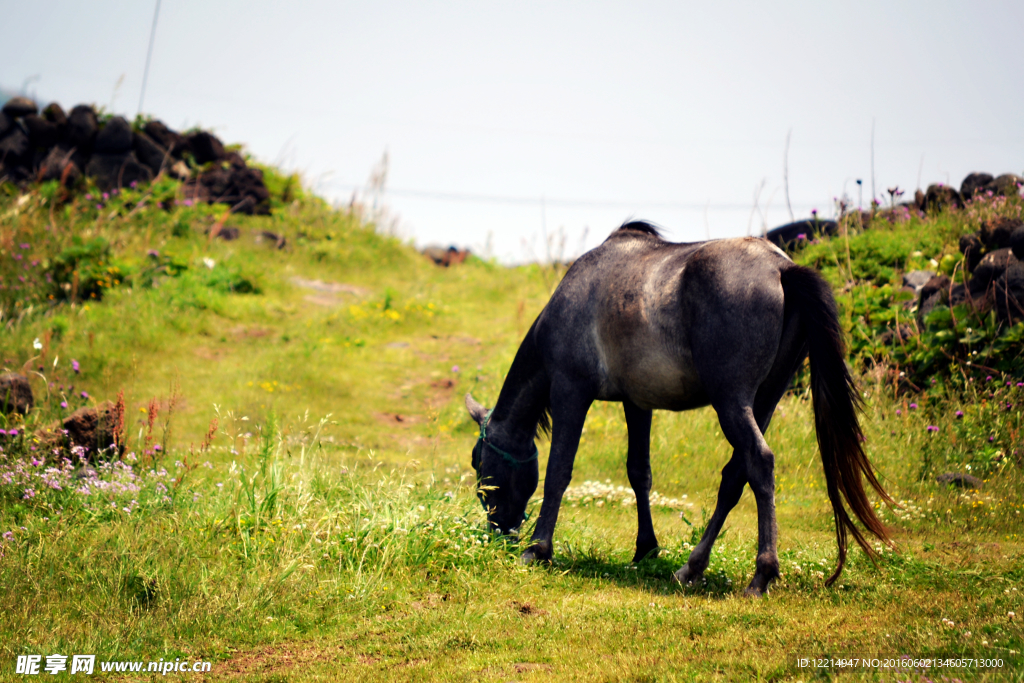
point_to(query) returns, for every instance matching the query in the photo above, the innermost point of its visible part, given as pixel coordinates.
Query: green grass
(329, 530)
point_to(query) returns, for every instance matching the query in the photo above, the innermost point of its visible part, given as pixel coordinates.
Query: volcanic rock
(20, 106)
(54, 113)
(15, 394)
(113, 171)
(962, 481)
(115, 138)
(41, 133)
(149, 152)
(974, 182)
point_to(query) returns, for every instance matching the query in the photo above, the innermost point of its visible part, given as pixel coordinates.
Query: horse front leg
(638, 468)
(568, 413)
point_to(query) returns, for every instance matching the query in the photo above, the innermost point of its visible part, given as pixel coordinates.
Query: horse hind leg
(734, 477)
(638, 468)
(754, 463)
(743, 430)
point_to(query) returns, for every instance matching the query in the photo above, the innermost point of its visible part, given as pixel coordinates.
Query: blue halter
(507, 457)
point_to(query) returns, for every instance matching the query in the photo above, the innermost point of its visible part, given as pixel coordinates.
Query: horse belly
(657, 381)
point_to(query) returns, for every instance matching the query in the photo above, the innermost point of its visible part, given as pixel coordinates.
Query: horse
(676, 326)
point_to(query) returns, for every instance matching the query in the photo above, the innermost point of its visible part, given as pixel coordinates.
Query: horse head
(505, 480)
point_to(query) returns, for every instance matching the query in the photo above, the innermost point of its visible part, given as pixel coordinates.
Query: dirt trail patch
(277, 659)
(328, 293)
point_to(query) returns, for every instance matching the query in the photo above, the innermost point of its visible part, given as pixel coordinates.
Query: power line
(149, 56)
(549, 201)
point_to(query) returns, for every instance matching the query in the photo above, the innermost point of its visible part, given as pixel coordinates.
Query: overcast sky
(505, 121)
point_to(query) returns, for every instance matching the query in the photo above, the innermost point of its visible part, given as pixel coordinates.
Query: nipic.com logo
(33, 665)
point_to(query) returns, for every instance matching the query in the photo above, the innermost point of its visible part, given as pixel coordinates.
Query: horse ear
(476, 411)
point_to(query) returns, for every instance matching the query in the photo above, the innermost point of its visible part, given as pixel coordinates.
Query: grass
(328, 529)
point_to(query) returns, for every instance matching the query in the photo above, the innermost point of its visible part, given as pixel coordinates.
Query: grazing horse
(658, 325)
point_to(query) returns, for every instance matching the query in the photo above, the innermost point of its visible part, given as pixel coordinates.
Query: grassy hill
(296, 500)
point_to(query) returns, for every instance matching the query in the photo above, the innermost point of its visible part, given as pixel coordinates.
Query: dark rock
(974, 182)
(962, 481)
(786, 236)
(995, 234)
(939, 197)
(20, 106)
(240, 188)
(246, 205)
(990, 269)
(917, 279)
(15, 394)
(1017, 243)
(41, 133)
(931, 295)
(919, 199)
(5, 124)
(228, 233)
(55, 114)
(235, 159)
(14, 147)
(149, 152)
(445, 257)
(113, 171)
(272, 238)
(80, 133)
(91, 428)
(1008, 292)
(173, 142)
(205, 147)
(115, 137)
(904, 333)
(971, 247)
(58, 165)
(82, 127)
(1007, 185)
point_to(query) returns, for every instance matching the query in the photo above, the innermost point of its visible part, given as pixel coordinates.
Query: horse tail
(836, 402)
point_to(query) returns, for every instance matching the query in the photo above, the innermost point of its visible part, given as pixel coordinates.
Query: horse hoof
(687, 576)
(645, 554)
(535, 553)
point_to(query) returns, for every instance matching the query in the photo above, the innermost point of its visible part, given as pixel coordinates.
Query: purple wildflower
(106, 196)
(75, 366)
(134, 184)
(455, 368)
(913, 406)
(154, 253)
(63, 404)
(99, 207)
(899, 412)
(85, 395)
(24, 245)
(959, 414)
(8, 535)
(932, 428)
(88, 197)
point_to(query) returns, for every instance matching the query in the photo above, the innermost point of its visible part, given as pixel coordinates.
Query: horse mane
(640, 226)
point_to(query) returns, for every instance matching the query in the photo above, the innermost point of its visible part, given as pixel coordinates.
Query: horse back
(625, 318)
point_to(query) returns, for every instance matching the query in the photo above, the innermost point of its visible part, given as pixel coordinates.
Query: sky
(530, 130)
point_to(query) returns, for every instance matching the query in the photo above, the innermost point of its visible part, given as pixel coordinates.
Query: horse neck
(524, 397)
